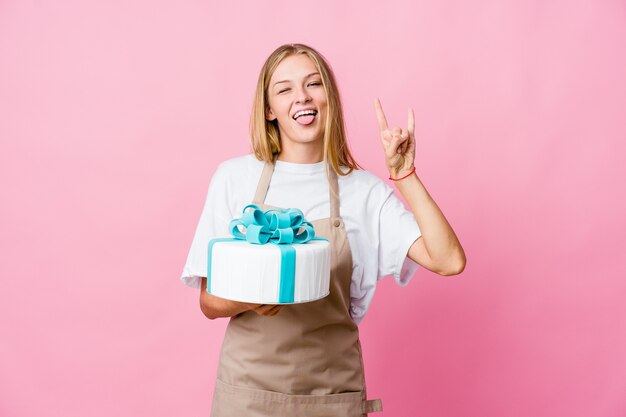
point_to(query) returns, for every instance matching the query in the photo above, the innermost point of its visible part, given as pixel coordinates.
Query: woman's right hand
(261, 309)
(214, 307)
(267, 309)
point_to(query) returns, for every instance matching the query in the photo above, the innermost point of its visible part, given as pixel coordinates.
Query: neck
(302, 153)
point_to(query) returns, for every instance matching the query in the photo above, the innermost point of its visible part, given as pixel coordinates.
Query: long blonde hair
(264, 134)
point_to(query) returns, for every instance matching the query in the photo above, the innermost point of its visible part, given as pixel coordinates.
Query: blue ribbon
(274, 225)
(282, 227)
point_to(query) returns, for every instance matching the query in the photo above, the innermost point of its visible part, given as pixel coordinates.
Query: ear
(269, 115)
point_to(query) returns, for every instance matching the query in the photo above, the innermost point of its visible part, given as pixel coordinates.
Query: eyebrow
(286, 81)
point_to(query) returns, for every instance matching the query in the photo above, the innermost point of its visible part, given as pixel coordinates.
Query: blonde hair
(264, 134)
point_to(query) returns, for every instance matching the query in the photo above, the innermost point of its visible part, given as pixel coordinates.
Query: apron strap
(266, 177)
(333, 185)
(264, 183)
(372, 406)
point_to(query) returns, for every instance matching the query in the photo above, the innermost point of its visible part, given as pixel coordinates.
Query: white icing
(250, 273)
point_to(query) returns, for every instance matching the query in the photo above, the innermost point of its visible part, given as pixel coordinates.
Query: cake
(272, 258)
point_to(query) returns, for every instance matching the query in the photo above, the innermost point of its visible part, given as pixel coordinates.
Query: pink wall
(113, 116)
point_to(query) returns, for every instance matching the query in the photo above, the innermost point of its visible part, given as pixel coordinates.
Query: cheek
(280, 109)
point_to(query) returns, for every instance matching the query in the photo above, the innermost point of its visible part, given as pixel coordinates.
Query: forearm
(440, 240)
(214, 307)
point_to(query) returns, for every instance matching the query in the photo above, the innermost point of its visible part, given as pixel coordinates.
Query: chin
(304, 137)
(319, 138)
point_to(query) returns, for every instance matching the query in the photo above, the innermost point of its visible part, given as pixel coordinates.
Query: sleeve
(398, 229)
(213, 223)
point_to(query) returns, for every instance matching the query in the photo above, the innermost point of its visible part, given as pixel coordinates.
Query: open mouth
(305, 117)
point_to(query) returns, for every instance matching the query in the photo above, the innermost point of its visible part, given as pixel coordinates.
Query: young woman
(305, 359)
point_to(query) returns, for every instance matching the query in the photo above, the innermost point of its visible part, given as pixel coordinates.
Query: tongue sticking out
(305, 120)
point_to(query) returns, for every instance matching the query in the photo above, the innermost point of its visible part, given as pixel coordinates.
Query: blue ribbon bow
(279, 226)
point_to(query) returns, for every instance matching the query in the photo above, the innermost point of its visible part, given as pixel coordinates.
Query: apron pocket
(234, 401)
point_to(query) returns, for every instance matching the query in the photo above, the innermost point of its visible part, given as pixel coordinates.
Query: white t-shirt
(379, 228)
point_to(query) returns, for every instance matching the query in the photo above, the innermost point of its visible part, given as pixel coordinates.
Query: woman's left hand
(399, 144)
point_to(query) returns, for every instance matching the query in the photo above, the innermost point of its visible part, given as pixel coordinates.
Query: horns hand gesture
(399, 144)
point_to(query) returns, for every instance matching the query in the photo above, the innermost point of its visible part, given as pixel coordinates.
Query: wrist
(401, 174)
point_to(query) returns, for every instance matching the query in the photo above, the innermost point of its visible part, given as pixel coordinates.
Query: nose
(303, 96)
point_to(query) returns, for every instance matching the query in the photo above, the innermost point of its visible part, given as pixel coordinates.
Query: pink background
(113, 116)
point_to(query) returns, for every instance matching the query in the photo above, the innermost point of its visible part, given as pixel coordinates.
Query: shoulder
(237, 168)
(364, 189)
(365, 182)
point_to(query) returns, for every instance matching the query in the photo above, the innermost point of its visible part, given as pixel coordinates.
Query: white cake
(247, 272)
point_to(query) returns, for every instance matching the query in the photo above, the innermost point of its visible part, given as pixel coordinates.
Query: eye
(315, 83)
(283, 90)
